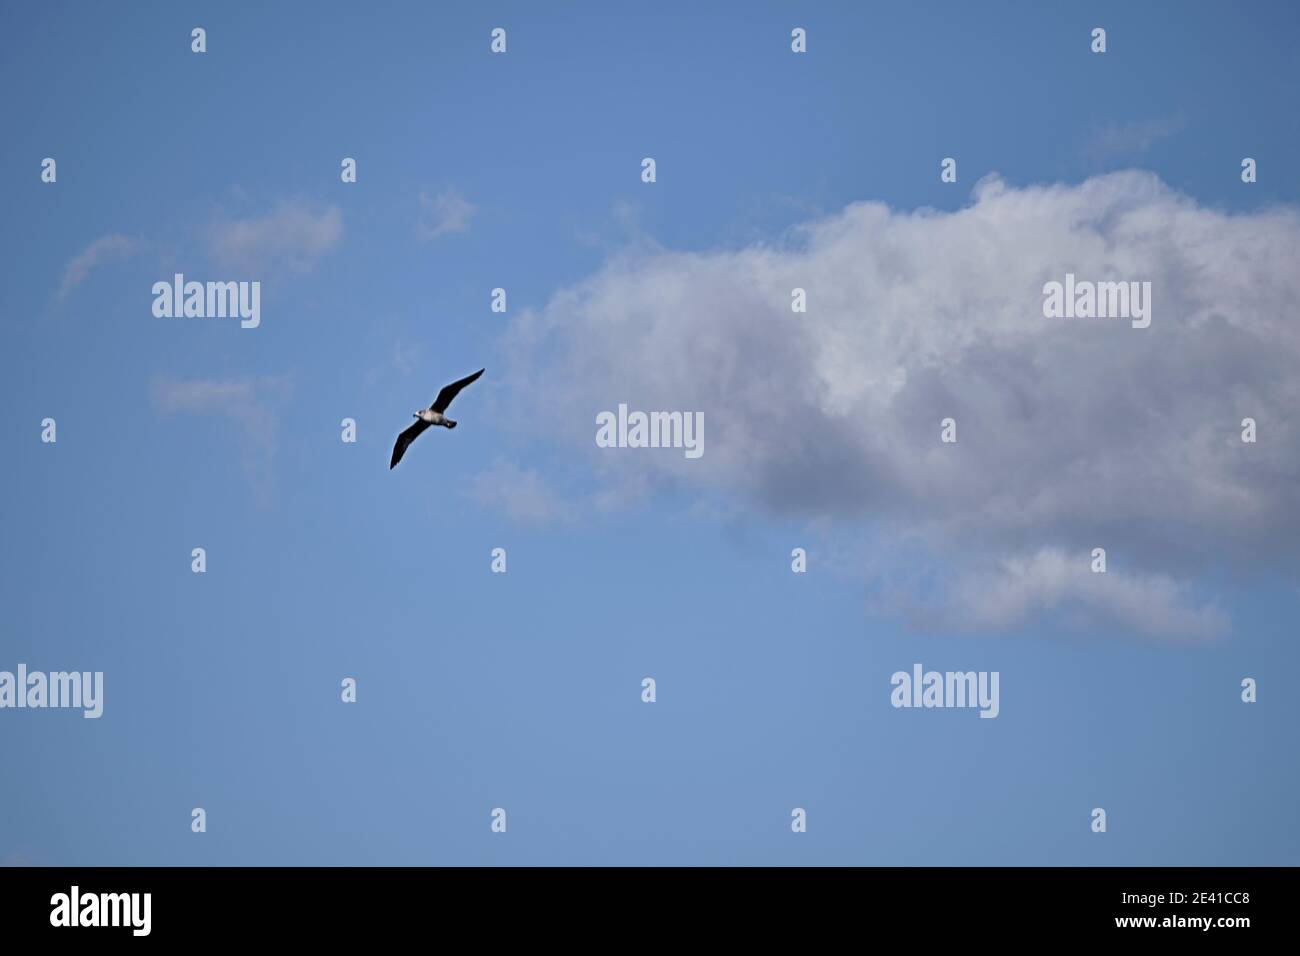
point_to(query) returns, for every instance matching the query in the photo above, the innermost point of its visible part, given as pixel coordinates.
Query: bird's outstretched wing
(404, 439)
(451, 391)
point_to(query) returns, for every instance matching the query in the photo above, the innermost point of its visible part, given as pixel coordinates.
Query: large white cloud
(1072, 433)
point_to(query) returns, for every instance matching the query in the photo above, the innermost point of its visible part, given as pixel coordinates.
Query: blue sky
(522, 690)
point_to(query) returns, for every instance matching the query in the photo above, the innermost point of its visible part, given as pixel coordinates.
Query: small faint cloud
(1131, 139)
(400, 356)
(622, 230)
(295, 235)
(443, 214)
(521, 494)
(404, 357)
(1049, 583)
(202, 395)
(249, 402)
(627, 214)
(102, 250)
(1019, 588)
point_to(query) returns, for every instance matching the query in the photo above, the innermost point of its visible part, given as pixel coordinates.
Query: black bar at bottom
(534, 905)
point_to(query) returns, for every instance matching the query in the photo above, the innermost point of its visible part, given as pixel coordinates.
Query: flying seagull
(433, 415)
